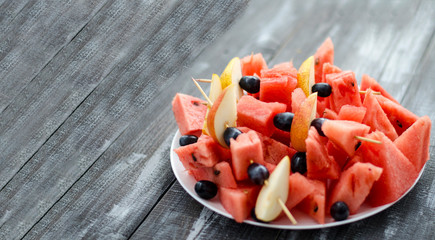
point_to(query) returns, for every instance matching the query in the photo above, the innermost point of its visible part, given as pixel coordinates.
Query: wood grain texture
(106, 108)
(384, 46)
(85, 106)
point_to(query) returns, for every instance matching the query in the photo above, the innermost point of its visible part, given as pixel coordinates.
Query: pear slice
(306, 77)
(268, 207)
(215, 91)
(232, 74)
(223, 114)
(302, 121)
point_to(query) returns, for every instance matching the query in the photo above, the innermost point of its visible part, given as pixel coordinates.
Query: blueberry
(299, 163)
(339, 211)
(206, 189)
(283, 121)
(258, 173)
(317, 123)
(229, 133)
(250, 84)
(188, 139)
(322, 89)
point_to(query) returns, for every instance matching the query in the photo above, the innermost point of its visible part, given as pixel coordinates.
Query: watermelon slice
(246, 148)
(369, 82)
(203, 153)
(328, 68)
(239, 202)
(324, 54)
(342, 133)
(320, 165)
(258, 115)
(277, 89)
(299, 188)
(221, 174)
(253, 64)
(189, 114)
(414, 143)
(344, 90)
(352, 113)
(398, 172)
(354, 185)
(330, 114)
(314, 203)
(376, 118)
(400, 117)
(339, 155)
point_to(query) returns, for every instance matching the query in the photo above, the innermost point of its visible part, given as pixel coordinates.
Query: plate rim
(178, 169)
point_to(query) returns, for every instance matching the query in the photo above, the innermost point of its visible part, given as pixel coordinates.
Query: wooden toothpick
(287, 212)
(368, 140)
(374, 93)
(202, 92)
(204, 80)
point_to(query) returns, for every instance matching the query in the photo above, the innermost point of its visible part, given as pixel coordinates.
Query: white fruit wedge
(215, 91)
(268, 205)
(232, 74)
(223, 114)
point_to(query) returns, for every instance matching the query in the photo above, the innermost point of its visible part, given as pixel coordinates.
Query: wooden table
(85, 106)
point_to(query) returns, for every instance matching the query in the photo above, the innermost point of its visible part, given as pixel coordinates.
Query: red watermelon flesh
(281, 136)
(344, 90)
(298, 96)
(321, 106)
(324, 54)
(221, 174)
(222, 153)
(414, 143)
(246, 148)
(239, 202)
(354, 185)
(339, 155)
(277, 89)
(299, 188)
(342, 133)
(203, 153)
(400, 117)
(369, 82)
(376, 118)
(189, 114)
(352, 113)
(314, 203)
(329, 68)
(258, 115)
(320, 165)
(283, 69)
(398, 172)
(330, 114)
(253, 64)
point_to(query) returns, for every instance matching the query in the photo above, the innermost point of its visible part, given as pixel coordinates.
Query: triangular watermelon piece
(246, 148)
(299, 188)
(314, 203)
(340, 156)
(239, 202)
(344, 90)
(253, 64)
(354, 185)
(414, 143)
(342, 133)
(189, 114)
(376, 118)
(320, 165)
(258, 115)
(369, 82)
(352, 113)
(324, 54)
(329, 114)
(400, 117)
(398, 172)
(221, 174)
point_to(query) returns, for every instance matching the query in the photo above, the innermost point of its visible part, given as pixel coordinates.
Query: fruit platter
(296, 148)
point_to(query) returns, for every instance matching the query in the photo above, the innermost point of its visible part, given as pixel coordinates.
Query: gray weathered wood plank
(153, 48)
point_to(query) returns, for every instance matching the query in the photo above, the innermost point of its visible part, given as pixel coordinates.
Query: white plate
(304, 221)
